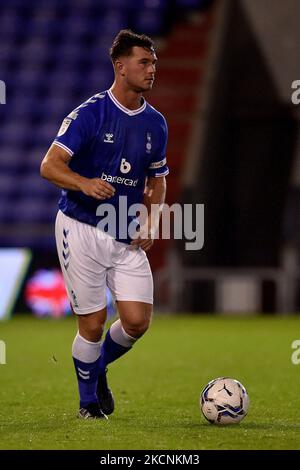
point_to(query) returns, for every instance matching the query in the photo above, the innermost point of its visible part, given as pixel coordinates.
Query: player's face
(139, 69)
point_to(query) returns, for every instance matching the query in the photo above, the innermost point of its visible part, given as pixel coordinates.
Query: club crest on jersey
(109, 138)
(148, 143)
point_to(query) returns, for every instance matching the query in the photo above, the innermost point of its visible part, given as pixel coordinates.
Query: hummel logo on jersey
(100, 95)
(125, 167)
(109, 138)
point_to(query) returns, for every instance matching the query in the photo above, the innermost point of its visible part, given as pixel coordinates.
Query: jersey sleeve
(158, 164)
(76, 130)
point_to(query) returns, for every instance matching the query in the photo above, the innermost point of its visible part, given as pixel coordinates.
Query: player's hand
(144, 243)
(97, 188)
(145, 239)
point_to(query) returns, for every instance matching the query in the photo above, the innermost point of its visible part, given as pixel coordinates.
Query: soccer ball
(224, 401)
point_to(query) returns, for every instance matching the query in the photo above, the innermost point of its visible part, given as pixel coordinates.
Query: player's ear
(119, 66)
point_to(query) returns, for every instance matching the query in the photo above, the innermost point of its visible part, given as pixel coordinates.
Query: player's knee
(136, 328)
(92, 331)
(91, 326)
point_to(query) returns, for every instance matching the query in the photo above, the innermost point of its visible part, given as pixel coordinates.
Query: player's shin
(86, 361)
(117, 343)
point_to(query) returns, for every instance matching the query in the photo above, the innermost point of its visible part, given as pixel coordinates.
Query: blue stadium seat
(12, 157)
(149, 21)
(33, 210)
(7, 184)
(12, 133)
(38, 187)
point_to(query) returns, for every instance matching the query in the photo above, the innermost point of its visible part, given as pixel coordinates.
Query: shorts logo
(125, 167)
(66, 250)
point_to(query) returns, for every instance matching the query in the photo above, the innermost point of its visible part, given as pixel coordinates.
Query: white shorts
(92, 260)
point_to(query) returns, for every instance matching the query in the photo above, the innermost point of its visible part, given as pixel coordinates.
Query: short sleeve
(158, 164)
(76, 130)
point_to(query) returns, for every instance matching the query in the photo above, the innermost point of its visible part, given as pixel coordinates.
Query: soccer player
(110, 148)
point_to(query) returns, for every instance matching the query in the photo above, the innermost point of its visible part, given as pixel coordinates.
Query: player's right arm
(55, 168)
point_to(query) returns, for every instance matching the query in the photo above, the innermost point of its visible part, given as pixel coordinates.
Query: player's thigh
(130, 278)
(135, 316)
(80, 259)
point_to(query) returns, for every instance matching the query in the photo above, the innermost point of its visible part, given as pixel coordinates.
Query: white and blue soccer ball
(224, 401)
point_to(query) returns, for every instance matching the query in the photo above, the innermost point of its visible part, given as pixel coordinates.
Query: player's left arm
(155, 189)
(154, 198)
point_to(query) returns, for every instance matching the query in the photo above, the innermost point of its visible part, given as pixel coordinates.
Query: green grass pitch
(156, 386)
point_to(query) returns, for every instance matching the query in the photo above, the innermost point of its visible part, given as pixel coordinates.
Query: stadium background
(224, 84)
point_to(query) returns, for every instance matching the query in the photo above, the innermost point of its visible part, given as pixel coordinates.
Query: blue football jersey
(121, 146)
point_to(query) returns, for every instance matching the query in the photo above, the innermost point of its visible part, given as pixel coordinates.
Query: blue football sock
(110, 351)
(87, 376)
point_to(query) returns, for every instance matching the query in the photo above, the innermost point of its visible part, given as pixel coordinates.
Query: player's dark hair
(126, 40)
